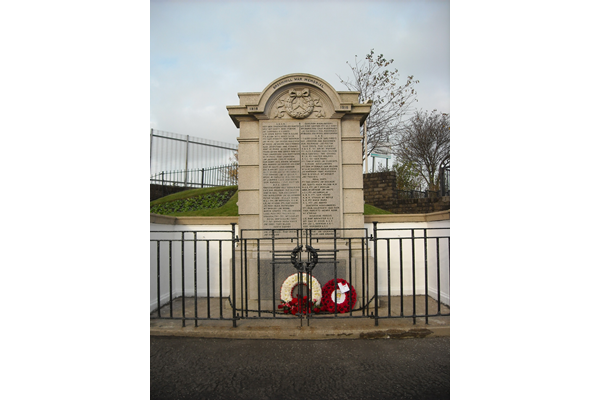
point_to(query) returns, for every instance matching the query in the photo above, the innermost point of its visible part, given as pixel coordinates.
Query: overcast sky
(203, 53)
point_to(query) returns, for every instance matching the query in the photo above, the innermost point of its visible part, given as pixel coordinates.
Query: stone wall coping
(169, 220)
(391, 218)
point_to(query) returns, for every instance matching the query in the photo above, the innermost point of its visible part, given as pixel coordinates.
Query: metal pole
(187, 147)
(365, 149)
(375, 274)
(183, 279)
(233, 282)
(441, 181)
(151, 134)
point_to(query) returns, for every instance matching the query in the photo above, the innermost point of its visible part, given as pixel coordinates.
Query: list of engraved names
(301, 179)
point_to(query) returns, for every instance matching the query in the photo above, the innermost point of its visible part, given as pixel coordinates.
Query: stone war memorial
(300, 197)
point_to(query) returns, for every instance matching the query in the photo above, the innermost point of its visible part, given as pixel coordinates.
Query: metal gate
(311, 273)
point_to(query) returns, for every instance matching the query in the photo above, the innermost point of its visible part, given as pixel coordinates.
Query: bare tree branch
(391, 99)
(425, 141)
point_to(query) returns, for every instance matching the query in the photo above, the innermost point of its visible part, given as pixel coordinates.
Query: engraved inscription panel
(301, 176)
(281, 175)
(320, 175)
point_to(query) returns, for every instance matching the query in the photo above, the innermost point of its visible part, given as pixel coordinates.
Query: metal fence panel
(225, 175)
(175, 152)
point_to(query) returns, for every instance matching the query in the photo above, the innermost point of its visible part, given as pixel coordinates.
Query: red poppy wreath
(343, 299)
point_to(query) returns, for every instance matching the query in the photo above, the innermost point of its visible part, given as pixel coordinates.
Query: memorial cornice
(252, 104)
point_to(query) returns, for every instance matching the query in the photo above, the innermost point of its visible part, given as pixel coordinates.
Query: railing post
(426, 277)
(183, 279)
(233, 283)
(151, 135)
(412, 235)
(195, 280)
(442, 183)
(202, 179)
(375, 274)
(187, 151)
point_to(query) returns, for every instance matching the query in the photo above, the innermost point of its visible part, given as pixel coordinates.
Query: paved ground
(288, 327)
(199, 368)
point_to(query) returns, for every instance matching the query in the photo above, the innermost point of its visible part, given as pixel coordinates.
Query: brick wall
(380, 191)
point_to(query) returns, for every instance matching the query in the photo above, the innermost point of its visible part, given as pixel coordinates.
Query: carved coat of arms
(299, 104)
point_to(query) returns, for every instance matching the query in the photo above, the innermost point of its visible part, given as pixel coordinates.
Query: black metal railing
(420, 260)
(225, 175)
(183, 267)
(413, 194)
(422, 194)
(173, 152)
(216, 275)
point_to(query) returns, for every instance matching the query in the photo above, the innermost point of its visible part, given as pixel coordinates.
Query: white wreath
(292, 281)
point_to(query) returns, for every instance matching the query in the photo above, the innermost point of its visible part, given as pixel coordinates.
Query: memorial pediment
(297, 96)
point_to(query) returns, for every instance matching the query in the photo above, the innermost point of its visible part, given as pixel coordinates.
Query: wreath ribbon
(297, 93)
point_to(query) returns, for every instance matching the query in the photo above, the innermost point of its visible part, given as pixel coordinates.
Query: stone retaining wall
(380, 191)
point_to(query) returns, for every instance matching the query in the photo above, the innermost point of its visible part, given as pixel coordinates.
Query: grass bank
(209, 202)
(206, 202)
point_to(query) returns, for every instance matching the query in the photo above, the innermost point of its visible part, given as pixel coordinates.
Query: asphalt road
(195, 368)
